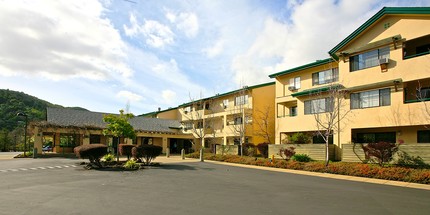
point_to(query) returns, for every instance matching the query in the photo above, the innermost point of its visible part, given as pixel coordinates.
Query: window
(188, 126)
(241, 100)
(187, 109)
(423, 93)
(318, 139)
(324, 77)
(376, 137)
(199, 124)
(416, 47)
(95, 139)
(294, 83)
(319, 105)
(423, 136)
(374, 98)
(293, 111)
(238, 120)
(225, 103)
(368, 59)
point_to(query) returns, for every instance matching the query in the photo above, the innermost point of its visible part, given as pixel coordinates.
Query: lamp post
(25, 131)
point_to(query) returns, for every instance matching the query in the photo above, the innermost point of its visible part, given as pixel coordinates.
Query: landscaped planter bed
(396, 173)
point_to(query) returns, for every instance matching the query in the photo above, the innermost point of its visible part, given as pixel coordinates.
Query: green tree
(118, 126)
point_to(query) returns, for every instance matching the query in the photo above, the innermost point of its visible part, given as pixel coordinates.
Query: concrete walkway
(177, 159)
(8, 155)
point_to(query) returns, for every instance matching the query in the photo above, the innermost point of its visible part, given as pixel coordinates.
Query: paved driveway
(61, 186)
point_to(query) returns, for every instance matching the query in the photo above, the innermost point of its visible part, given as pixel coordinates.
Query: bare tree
(194, 114)
(263, 122)
(423, 95)
(242, 117)
(329, 109)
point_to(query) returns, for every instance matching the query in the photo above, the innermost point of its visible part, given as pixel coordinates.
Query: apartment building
(245, 115)
(383, 71)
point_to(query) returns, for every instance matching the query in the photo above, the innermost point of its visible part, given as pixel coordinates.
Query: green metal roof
(316, 90)
(384, 11)
(229, 93)
(299, 68)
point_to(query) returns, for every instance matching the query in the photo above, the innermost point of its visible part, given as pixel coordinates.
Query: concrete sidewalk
(177, 159)
(8, 155)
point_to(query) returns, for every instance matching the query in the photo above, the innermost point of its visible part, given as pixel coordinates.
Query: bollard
(167, 152)
(34, 152)
(201, 155)
(273, 158)
(183, 154)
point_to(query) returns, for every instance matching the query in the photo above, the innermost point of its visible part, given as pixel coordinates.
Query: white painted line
(59, 167)
(41, 167)
(3, 170)
(33, 168)
(23, 169)
(66, 166)
(14, 170)
(50, 167)
(73, 165)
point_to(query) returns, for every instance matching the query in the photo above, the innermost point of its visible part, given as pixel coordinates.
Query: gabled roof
(303, 67)
(63, 117)
(384, 11)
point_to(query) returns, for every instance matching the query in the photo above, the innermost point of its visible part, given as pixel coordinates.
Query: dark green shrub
(382, 152)
(93, 152)
(125, 149)
(301, 158)
(248, 149)
(263, 148)
(147, 152)
(300, 138)
(406, 160)
(287, 153)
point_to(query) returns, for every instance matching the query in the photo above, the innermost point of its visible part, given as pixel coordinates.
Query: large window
(376, 137)
(225, 103)
(368, 59)
(187, 109)
(294, 83)
(293, 111)
(416, 47)
(318, 139)
(324, 77)
(423, 136)
(319, 105)
(374, 98)
(95, 138)
(241, 100)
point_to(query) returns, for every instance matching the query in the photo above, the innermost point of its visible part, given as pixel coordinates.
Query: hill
(12, 102)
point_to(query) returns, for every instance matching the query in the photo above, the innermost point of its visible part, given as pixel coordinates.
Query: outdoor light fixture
(25, 131)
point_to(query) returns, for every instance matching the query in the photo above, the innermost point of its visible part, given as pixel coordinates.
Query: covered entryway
(176, 145)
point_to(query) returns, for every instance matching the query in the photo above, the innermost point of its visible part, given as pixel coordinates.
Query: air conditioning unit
(383, 61)
(291, 88)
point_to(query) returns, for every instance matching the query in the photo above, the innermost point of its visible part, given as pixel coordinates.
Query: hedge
(395, 173)
(147, 152)
(93, 152)
(125, 149)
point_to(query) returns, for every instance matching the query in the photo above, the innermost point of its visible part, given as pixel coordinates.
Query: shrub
(93, 152)
(301, 158)
(300, 138)
(147, 152)
(125, 149)
(287, 153)
(406, 160)
(263, 148)
(248, 149)
(109, 157)
(382, 152)
(131, 164)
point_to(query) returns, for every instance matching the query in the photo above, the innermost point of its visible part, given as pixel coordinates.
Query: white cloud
(156, 34)
(129, 96)
(185, 22)
(59, 40)
(214, 50)
(310, 33)
(169, 97)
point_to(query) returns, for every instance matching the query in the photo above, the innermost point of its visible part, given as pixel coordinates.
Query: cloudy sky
(101, 55)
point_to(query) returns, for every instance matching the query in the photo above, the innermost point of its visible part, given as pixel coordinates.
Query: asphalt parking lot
(62, 186)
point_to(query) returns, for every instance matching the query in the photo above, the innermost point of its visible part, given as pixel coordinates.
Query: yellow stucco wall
(403, 118)
(263, 103)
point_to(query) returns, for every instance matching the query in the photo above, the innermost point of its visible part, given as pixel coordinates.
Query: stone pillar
(165, 144)
(38, 140)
